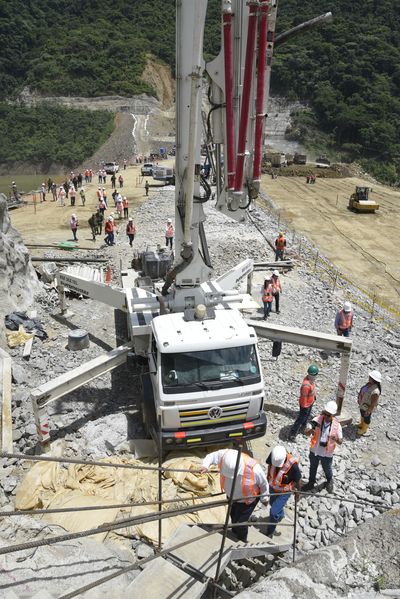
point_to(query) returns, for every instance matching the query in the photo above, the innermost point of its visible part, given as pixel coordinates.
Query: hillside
(348, 71)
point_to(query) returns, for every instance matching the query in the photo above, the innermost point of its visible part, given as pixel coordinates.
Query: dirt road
(365, 247)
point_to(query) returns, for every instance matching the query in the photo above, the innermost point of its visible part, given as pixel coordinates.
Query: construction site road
(364, 247)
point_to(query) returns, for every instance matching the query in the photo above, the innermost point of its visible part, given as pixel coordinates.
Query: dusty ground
(50, 222)
(365, 247)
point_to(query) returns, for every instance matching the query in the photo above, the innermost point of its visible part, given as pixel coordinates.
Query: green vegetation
(49, 134)
(347, 71)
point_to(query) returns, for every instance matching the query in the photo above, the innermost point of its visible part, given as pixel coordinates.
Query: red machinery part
(230, 124)
(245, 108)
(261, 67)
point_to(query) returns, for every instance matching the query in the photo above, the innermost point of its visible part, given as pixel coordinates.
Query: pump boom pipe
(245, 108)
(261, 67)
(303, 27)
(229, 118)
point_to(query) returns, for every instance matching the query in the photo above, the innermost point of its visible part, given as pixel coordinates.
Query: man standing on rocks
(251, 485)
(276, 289)
(344, 320)
(109, 231)
(368, 398)
(284, 475)
(280, 244)
(130, 230)
(169, 233)
(267, 297)
(325, 432)
(306, 400)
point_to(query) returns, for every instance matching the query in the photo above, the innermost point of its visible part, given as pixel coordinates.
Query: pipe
(311, 24)
(193, 125)
(245, 108)
(261, 66)
(229, 118)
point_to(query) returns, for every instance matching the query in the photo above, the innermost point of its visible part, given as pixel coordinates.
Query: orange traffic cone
(108, 275)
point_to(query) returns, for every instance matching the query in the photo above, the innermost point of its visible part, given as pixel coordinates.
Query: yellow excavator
(359, 200)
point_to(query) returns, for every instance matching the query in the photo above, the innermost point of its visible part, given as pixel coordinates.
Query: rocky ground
(97, 419)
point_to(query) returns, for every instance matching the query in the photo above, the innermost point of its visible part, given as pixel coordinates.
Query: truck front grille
(201, 416)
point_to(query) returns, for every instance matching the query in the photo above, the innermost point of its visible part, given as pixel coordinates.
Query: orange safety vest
(276, 286)
(307, 393)
(109, 227)
(130, 229)
(345, 320)
(102, 205)
(280, 243)
(125, 203)
(170, 231)
(248, 487)
(275, 475)
(267, 294)
(333, 434)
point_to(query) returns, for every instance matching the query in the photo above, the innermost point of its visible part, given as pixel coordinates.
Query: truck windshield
(209, 369)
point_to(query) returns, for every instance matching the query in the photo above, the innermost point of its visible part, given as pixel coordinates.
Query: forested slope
(348, 71)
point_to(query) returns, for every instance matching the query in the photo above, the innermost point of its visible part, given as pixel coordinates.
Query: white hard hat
(169, 220)
(276, 273)
(331, 407)
(130, 218)
(73, 216)
(229, 463)
(110, 218)
(375, 375)
(347, 306)
(125, 197)
(278, 456)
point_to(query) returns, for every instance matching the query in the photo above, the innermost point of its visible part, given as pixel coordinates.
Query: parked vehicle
(278, 160)
(111, 167)
(163, 173)
(300, 158)
(147, 169)
(322, 162)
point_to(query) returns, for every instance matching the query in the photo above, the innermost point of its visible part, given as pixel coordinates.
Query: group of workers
(284, 476)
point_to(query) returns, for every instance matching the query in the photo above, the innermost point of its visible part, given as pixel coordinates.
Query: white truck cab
(205, 380)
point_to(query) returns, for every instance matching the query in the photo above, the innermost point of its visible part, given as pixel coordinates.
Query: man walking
(276, 288)
(284, 475)
(344, 320)
(74, 226)
(146, 186)
(169, 233)
(306, 400)
(267, 297)
(126, 207)
(325, 432)
(109, 231)
(251, 485)
(280, 244)
(130, 230)
(61, 196)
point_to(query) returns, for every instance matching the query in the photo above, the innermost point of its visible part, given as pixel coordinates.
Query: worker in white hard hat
(284, 476)
(250, 488)
(276, 288)
(344, 320)
(368, 398)
(169, 233)
(325, 432)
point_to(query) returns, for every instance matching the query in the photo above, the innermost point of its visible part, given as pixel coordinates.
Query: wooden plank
(26, 352)
(5, 402)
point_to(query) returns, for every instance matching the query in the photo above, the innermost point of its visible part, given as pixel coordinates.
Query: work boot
(361, 423)
(363, 429)
(329, 486)
(308, 487)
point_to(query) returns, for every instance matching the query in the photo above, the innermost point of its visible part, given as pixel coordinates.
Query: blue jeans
(109, 239)
(277, 512)
(278, 255)
(326, 464)
(301, 420)
(267, 309)
(344, 332)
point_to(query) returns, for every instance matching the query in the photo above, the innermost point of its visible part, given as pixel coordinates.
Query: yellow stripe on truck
(228, 418)
(194, 413)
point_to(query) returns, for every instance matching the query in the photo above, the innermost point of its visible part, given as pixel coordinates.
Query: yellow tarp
(50, 485)
(20, 337)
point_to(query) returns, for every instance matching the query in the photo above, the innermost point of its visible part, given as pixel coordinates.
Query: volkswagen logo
(215, 413)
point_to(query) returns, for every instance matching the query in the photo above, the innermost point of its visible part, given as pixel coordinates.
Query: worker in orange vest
(267, 297)
(344, 320)
(109, 231)
(251, 485)
(130, 230)
(125, 204)
(284, 475)
(169, 233)
(325, 432)
(276, 289)
(280, 244)
(306, 400)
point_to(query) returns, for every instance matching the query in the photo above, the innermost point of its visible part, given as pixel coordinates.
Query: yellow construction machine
(359, 200)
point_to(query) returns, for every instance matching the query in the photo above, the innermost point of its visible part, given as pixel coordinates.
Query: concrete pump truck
(202, 381)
